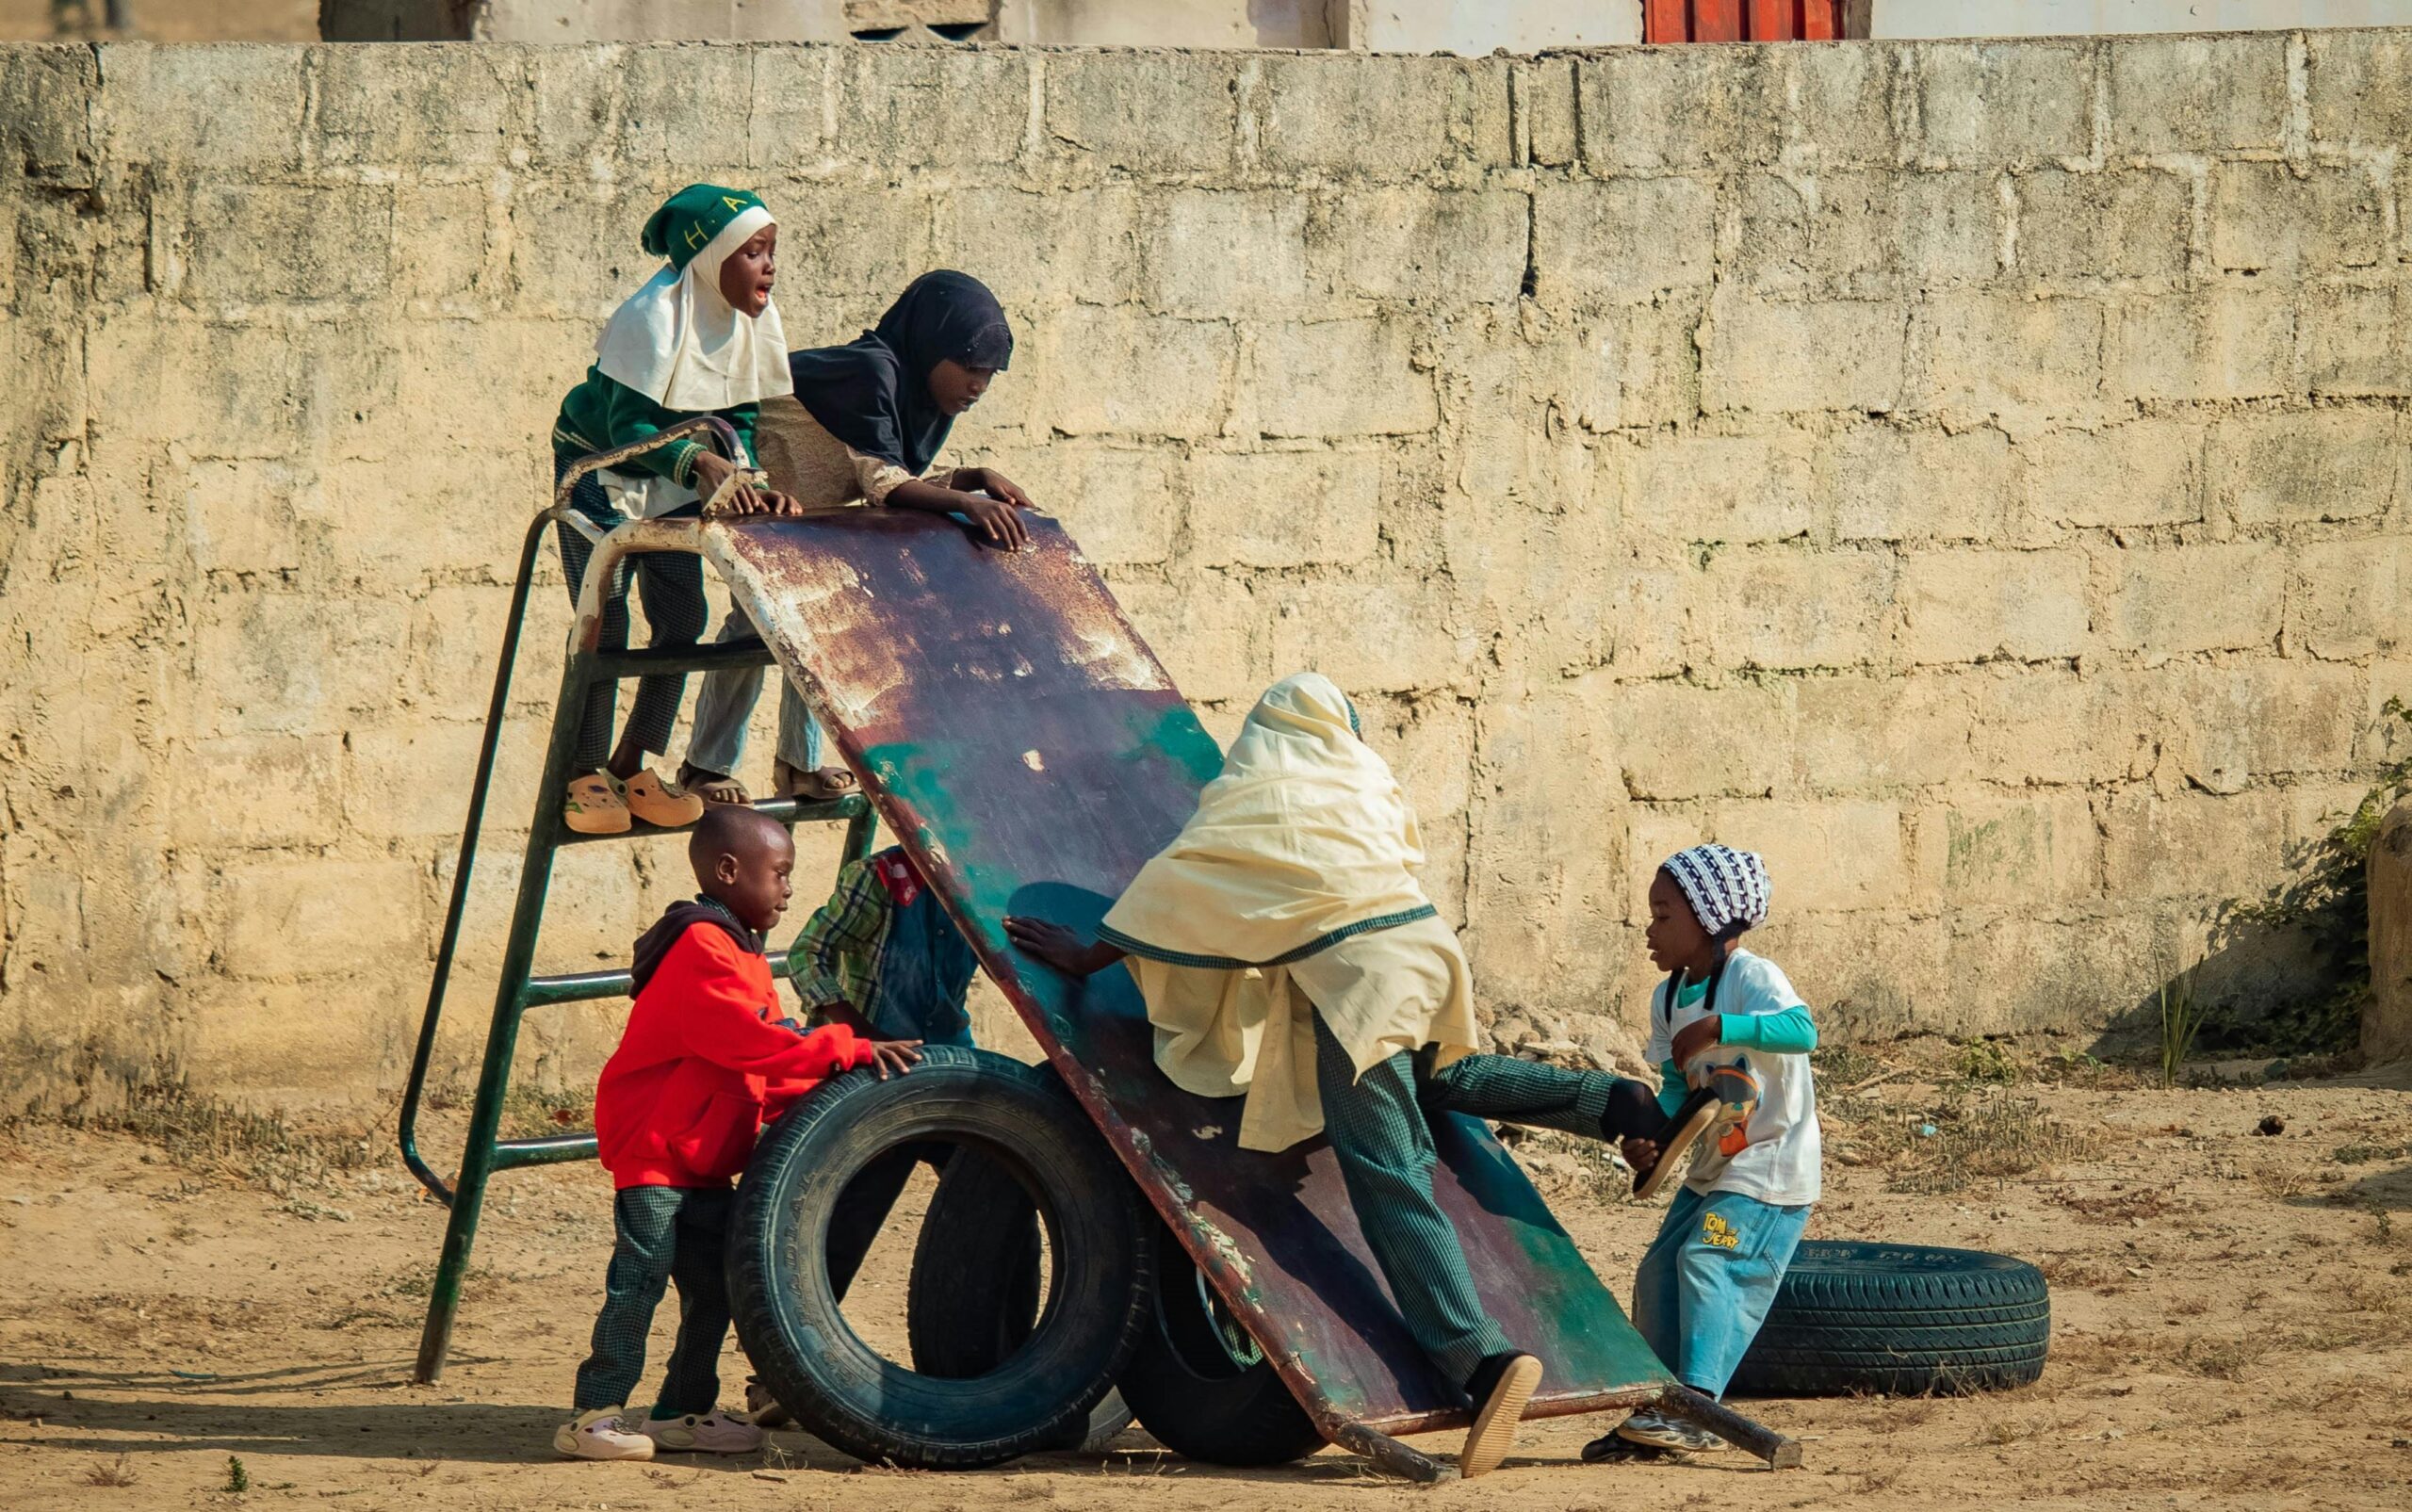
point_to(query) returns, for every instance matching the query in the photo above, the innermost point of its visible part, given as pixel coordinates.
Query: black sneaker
(1610, 1450)
(1499, 1388)
(1693, 1119)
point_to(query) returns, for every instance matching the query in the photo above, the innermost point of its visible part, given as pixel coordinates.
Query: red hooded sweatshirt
(707, 1058)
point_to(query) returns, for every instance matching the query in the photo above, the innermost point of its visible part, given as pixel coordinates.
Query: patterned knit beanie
(1727, 889)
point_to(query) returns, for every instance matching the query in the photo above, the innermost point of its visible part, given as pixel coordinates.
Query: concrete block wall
(1972, 473)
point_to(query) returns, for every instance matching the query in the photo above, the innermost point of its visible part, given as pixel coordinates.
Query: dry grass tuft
(2116, 1206)
(114, 1474)
(1958, 1139)
(2226, 1359)
(205, 1134)
(2281, 1183)
(533, 1113)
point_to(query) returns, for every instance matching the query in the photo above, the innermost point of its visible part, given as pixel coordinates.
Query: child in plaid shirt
(880, 951)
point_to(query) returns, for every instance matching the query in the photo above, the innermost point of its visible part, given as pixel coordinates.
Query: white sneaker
(601, 1435)
(1658, 1431)
(716, 1432)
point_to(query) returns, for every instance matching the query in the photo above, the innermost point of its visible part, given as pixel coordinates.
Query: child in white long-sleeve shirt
(1730, 1019)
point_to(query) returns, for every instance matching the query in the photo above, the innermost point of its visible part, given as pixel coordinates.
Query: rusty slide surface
(1029, 751)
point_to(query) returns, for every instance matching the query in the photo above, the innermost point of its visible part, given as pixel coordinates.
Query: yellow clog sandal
(594, 806)
(658, 801)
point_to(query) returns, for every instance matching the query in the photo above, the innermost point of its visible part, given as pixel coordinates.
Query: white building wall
(2060, 18)
(1474, 28)
(1167, 23)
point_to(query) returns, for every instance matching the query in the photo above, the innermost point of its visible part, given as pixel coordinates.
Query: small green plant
(2328, 903)
(1981, 1060)
(2182, 1022)
(239, 1480)
(2364, 1154)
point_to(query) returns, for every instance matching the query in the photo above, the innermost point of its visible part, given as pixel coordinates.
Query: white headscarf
(678, 343)
(1292, 892)
(1305, 833)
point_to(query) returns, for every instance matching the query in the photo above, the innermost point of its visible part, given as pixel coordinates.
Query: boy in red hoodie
(706, 1061)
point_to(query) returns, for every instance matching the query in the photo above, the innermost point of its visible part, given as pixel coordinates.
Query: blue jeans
(718, 741)
(1707, 1280)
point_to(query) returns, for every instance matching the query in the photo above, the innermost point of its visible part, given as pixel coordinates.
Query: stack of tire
(1005, 1366)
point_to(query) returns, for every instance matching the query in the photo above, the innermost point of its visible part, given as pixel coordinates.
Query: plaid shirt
(837, 958)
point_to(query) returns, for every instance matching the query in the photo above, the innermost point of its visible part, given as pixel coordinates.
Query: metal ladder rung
(646, 661)
(520, 988)
(553, 1149)
(591, 987)
(786, 810)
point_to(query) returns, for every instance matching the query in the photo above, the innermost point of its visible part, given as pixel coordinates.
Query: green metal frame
(520, 988)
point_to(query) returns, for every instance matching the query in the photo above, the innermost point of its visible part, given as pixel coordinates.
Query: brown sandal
(1684, 1131)
(819, 785)
(712, 786)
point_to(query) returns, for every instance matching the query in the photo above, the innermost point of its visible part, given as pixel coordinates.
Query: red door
(1741, 21)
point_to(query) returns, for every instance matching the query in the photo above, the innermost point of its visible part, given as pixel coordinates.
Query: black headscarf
(874, 393)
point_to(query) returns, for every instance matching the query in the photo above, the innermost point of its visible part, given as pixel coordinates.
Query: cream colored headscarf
(1297, 871)
(678, 343)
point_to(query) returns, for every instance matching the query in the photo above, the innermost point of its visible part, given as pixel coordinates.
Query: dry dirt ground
(2232, 1327)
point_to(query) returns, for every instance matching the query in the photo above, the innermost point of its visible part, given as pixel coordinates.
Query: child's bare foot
(711, 787)
(818, 785)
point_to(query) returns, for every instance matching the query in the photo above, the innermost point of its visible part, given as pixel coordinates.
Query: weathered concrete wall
(1974, 473)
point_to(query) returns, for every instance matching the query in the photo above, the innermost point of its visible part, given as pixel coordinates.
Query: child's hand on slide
(975, 480)
(900, 1054)
(711, 471)
(999, 520)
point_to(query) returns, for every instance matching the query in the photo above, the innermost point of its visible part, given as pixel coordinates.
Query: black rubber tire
(974, 1290)
(1200, 1387)
(1906, 1320)
(871, 1408)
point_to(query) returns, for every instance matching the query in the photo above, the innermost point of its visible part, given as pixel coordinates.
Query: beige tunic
(1252, 1034)
(818, 470)
(1297, 854)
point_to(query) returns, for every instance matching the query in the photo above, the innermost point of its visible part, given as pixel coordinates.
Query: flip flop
(822, 786)
(1691, 1120)
(816, 786)
(706, 785)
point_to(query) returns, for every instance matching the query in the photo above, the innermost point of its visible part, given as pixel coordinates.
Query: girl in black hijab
(866, 423)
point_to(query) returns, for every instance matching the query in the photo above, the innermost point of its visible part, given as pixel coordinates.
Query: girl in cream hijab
(1288, 956)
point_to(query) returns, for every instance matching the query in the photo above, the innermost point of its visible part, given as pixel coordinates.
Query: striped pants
(672, 585)
(1380, 1128)
(662, 1234)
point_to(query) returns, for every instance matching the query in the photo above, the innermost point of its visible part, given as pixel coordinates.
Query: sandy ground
(2232, 1329)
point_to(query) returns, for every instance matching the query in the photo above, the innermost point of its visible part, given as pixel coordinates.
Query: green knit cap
(688, 219)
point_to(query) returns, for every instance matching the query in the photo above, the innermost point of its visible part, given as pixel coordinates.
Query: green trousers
(1380, 1128)
(662, 1234)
